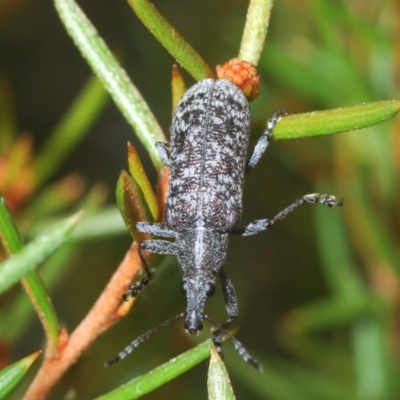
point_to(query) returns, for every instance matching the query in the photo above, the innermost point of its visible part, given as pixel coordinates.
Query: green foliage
(218, 383)
(339, 341)
(150, 381)
(11, 376)
(114, 78)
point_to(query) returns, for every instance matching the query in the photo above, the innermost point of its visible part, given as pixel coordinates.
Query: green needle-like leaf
(107, 222)
(31, 282)
(372, 361)
(17, 316)
(43, 306)
(335, 253)
(315, 76)
(139, 175)
(327, 314)
(13, 374)
(255, 30)
(164, 373)
(103, 223)
(178, 87)
(132, 205)
(114, 78)
(334, 121)
(170, 38)
(218, 383)
(35, 252)
(71, 129)
(10, 237)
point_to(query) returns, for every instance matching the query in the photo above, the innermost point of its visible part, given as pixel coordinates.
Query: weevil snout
(196, 294)
(193, 325)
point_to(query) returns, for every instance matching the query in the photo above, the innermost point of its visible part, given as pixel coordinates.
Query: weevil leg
(230, 298)
(156, 229)
(262, 143)
(264, 224)
(164, 152)
(135, 343)
(153, 246)
(236, 344)
(231, 304)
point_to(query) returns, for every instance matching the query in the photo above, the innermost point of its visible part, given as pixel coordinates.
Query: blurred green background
(318, 294)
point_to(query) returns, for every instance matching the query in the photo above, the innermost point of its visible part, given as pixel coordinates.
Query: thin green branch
(164, 373)
(113, 76)
(31, 282)
(333, 121)
(24, 259)
(71, 130)
(372, 361)
(170, 38)
(35, 252)
(255, 30)
(9, 234)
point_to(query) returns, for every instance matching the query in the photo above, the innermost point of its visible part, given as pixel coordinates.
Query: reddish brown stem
(103, 314)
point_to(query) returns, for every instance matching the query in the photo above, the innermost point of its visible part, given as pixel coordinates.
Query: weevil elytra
(207, 159)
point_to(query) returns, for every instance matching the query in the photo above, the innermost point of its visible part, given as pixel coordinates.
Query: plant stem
(255, 30)
(104, 313)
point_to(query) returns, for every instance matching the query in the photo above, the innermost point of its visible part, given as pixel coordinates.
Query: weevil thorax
(200, 267)
(209, 141)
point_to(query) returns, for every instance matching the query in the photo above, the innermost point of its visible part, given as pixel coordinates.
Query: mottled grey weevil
(207, 159)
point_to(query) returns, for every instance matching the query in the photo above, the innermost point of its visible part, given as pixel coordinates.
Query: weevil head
(201, 253)
(197, 289)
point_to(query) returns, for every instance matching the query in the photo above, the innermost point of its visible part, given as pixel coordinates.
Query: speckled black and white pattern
(209, 140)
(207, 162)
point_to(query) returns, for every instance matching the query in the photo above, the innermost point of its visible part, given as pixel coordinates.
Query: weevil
(207, 160)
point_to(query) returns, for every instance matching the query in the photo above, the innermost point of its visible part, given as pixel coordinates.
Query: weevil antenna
(237, 345)
(128, 349)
